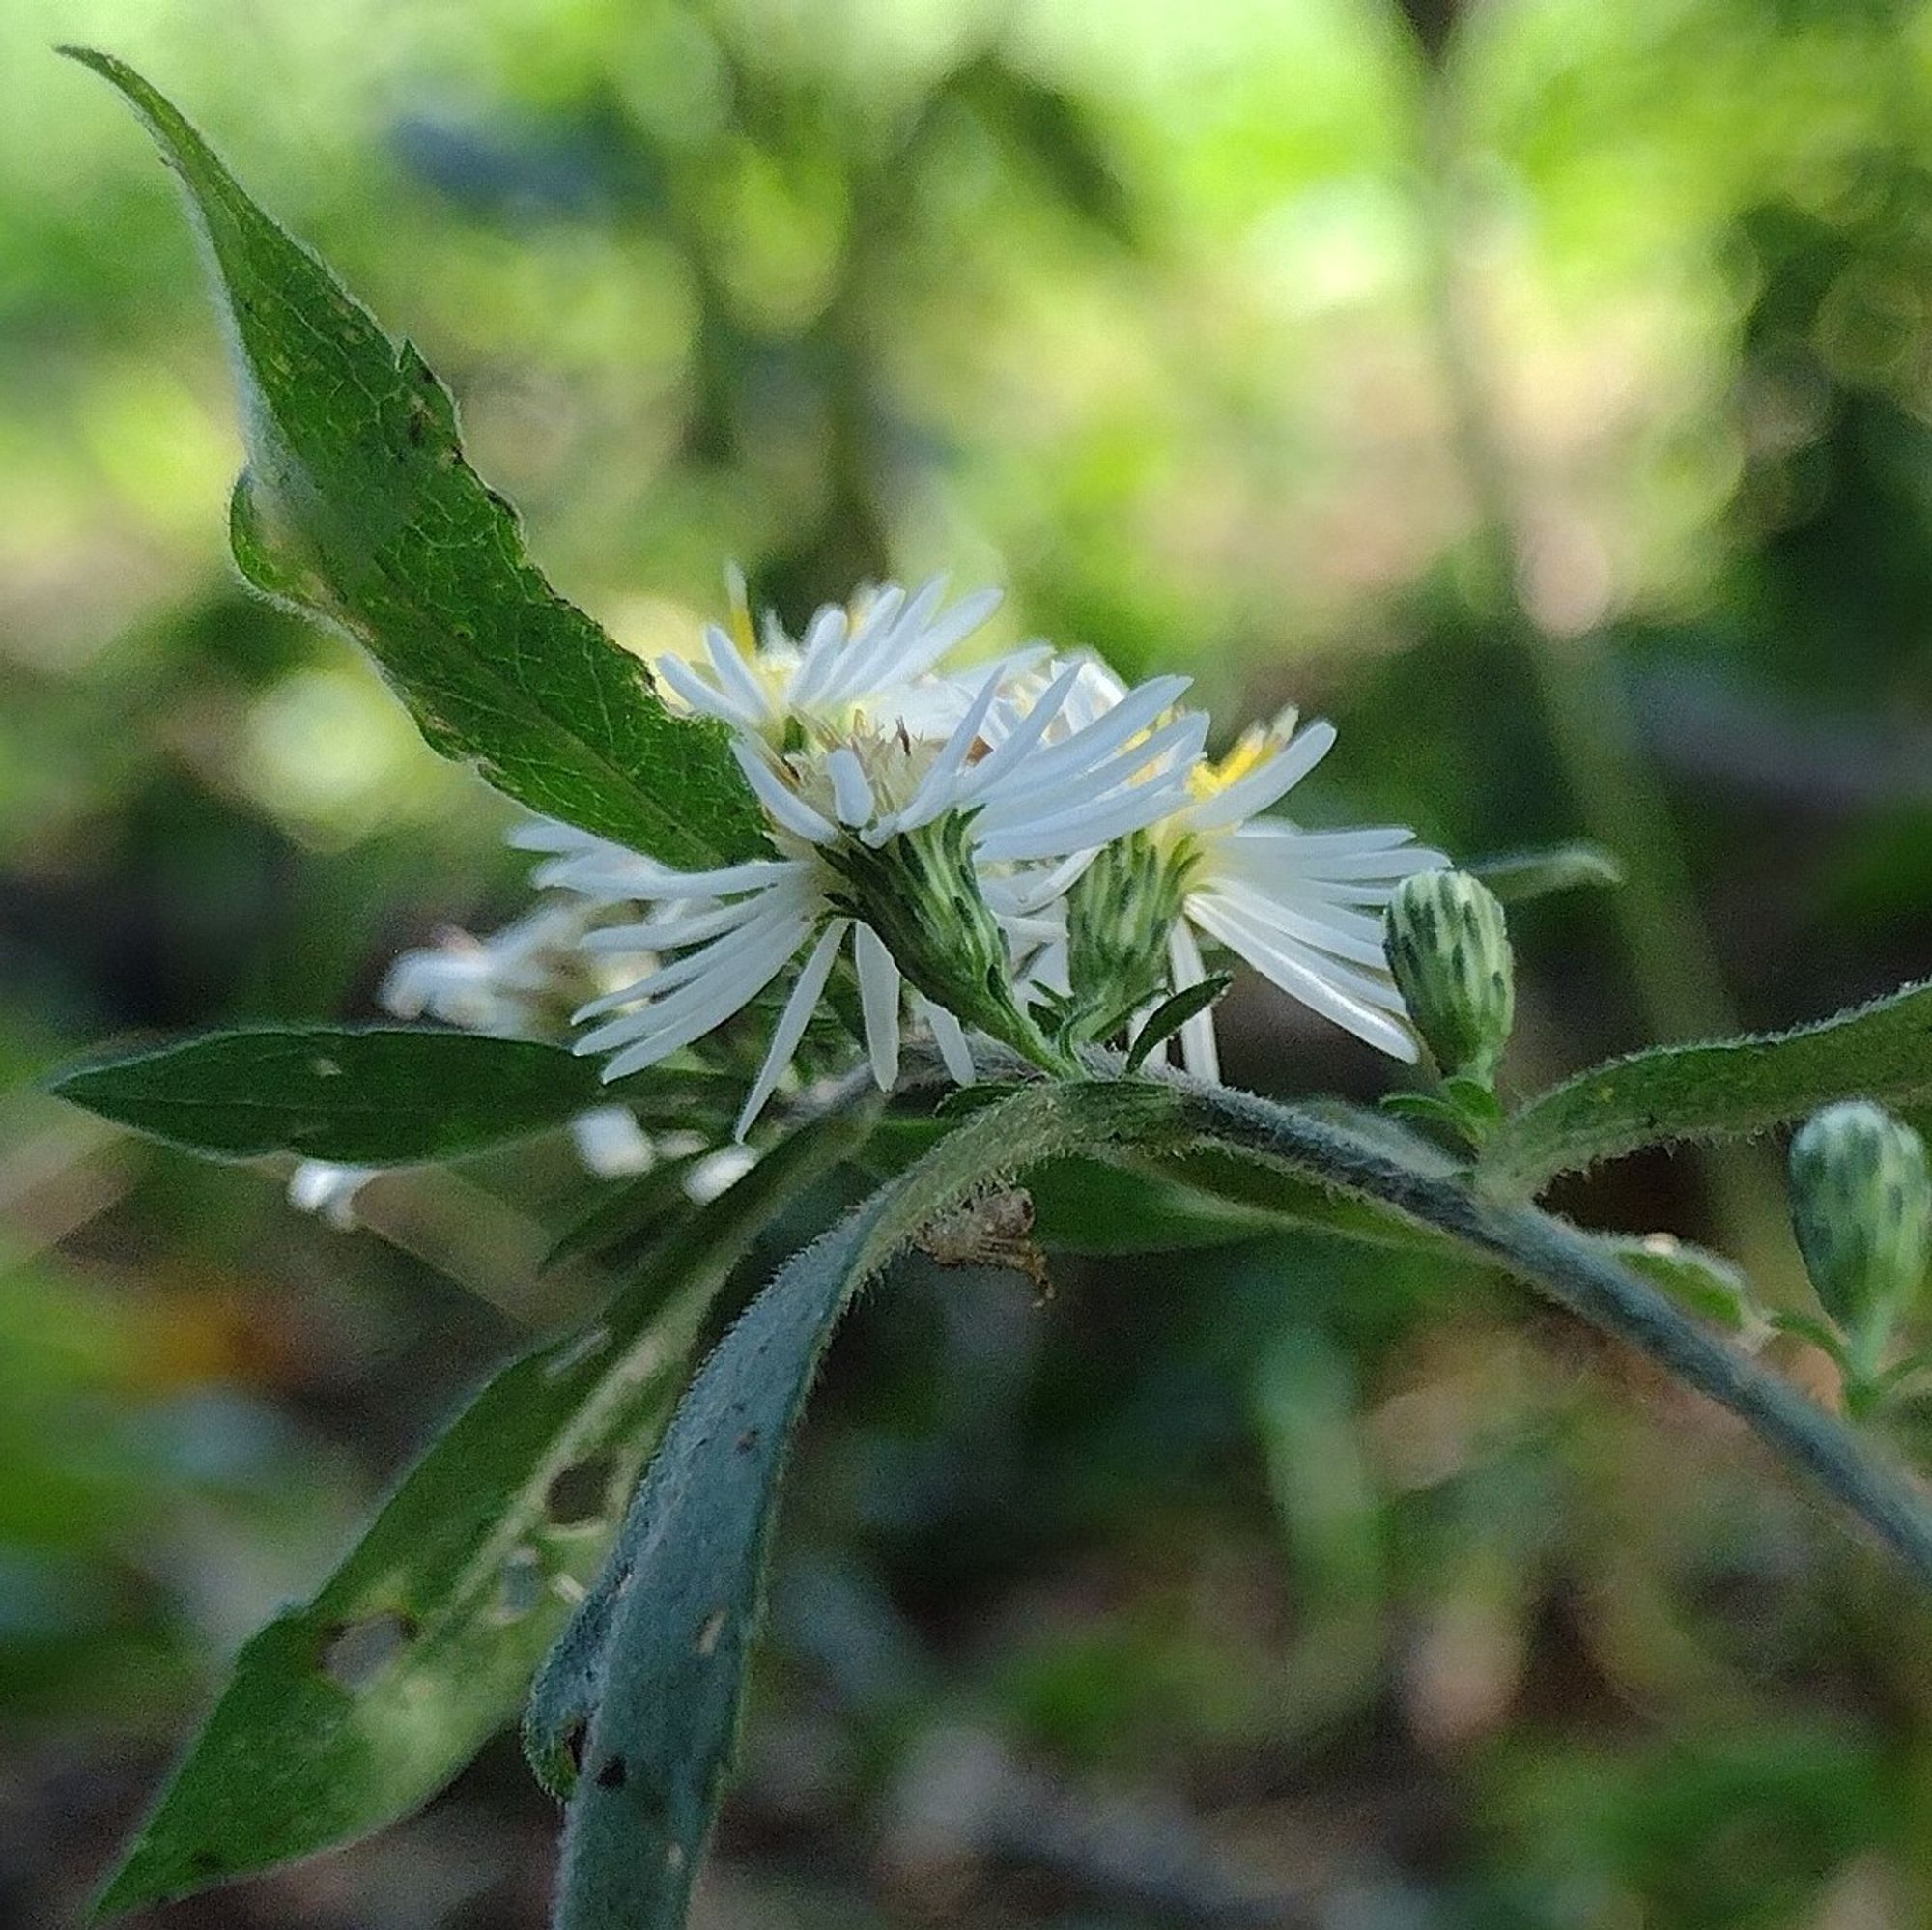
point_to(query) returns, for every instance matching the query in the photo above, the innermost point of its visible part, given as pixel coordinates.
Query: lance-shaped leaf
(379, 1095)
(644, 1688)
(1881, 1051)
(351, 1711)
(358, 508)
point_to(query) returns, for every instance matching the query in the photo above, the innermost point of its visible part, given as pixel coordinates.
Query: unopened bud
(1119, 917)
(1448, 945)
(1862, 1208)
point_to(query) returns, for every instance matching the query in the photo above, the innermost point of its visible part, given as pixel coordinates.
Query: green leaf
(1694, 1277)
(1152, 1203)
(1137, 1201)
(1173, 1012)
(626, 1214)
(654, 1661)
(1517, 877)
(379, 1095)
(358, 508)
(1881, 1051)
(350, 1712)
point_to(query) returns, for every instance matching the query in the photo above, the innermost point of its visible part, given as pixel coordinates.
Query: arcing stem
(1563, 1263)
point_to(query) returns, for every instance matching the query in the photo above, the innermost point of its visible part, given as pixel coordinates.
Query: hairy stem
(1576, 1272)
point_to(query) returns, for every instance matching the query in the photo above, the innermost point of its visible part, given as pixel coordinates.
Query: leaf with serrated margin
(351, 1711)
(654, 1661)
(367, 1096)
(1881, 1051)
(357, 508)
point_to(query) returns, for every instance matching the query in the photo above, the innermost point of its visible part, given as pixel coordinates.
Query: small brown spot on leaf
(708, 1634)
(611, 1776)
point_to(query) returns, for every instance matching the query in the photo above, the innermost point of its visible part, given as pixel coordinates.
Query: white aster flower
(328, 1190)
(508, 985)
(870, 660)
(521, 982)
(1302, 907)
(736, 929)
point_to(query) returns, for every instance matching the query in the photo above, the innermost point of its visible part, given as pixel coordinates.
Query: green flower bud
(920, 892)
(1448, 945)
(1862, 1208)
(1119, 916)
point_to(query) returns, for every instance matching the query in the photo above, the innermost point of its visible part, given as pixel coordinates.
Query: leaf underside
(461, 1581)
(651, 1673)
(1881, 1051)
(358, 508)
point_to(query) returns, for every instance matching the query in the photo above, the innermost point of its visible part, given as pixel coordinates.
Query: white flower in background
(717, 1171)
(507, 984)
(521, 982)
(858, 826)
(862, 661)
(611, 1143)
(328, 1190)
(1302, 907)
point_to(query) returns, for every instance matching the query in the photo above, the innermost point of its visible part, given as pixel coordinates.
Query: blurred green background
(1541, 388)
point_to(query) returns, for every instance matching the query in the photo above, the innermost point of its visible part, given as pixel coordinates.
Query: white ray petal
(702, 693)
(546, 834)
(727, 974)
(1081, 829)
(1012, 745)
(1264, 849)
(1092, 742)
(1199, 1051)
(817, 650)
(935, 789)
(851, 789)
(949, 1036)
(673, 934)
(1166, 753)
(914, 656)
(791, 1025)
(1032, 891)
(1318, 845)
(1298, 978)
(1305, 926)
(879, 1002)
(779, 798)
(734, 674)
(654, 1044)
(879, 656)
(755, 874)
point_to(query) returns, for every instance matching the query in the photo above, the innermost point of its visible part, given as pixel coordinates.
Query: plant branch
(1577, 1273)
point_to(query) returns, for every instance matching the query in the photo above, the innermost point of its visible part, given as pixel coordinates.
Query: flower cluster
(1028, 849)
